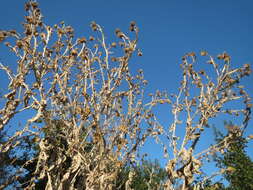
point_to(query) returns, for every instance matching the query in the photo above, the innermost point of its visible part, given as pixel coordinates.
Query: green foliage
(53, 133)
(215, 186)
(4, 161)
(14, 159)
(148, 175)
(237, 165)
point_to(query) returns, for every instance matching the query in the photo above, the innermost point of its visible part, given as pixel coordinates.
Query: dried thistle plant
(192, 114)
(92, 109)
(90, 103)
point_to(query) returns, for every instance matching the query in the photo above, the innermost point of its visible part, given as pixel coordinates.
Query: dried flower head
(119, 33)
(132, 26)
(94, 26)
(81, 40)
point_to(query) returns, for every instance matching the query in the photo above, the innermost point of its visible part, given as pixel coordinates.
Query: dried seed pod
(139, 53)
(19, 44)
(69, 30)
(119, 33)
(34, 4)
(94, 26)
(132, 26)
(27, 6)
(203, 53)
(113, 59)
(74, 52)
(114, 44)
(91, 38)
(202, 72)
(3, 35)
(81, 40)
(13, 32)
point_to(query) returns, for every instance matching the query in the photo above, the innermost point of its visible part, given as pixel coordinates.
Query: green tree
(12, 160)
(147, 175)
(4, 161)
(54, 134)
(237, 165)
(213, 186)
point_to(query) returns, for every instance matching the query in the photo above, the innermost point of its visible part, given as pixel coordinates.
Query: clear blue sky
(168, 30)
